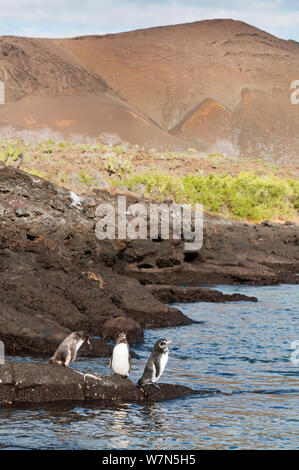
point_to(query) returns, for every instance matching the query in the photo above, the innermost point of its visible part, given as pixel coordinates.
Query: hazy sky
(62, 18)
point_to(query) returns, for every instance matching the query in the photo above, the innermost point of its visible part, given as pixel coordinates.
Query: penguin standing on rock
(156, 364)
(68, 349)
(120, 360)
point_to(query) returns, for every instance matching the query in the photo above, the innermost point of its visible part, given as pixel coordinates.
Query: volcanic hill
(218, 85)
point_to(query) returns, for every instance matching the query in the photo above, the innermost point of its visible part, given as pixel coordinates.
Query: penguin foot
(57, 363)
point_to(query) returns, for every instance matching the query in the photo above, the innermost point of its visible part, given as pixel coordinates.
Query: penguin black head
(161, 345)
(83, 335)
(121, 338)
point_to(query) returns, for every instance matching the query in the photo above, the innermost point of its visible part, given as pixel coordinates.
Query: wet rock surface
(171, 294)
(44, 383)
(56, 276)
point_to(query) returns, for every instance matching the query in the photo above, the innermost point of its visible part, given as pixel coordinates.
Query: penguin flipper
(73, 353)
(157, 366)
(148, 375)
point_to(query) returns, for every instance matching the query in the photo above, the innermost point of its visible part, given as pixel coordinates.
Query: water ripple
(238, 355)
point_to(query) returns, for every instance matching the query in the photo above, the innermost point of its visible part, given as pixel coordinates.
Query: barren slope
(88, 115)
(46, 86)
(221, 85)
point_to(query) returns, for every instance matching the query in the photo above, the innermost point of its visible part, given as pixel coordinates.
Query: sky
(68, 18)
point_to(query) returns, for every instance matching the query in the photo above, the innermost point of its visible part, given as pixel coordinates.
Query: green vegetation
(28, 158)
(262, 191)
(247, 196)
(87, 179)
(10, 151)
(116, 166)
(37, 173)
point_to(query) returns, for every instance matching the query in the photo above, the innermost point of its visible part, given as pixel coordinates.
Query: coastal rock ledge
(45, 383)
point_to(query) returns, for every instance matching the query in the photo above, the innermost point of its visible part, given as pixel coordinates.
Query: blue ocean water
(241, 348)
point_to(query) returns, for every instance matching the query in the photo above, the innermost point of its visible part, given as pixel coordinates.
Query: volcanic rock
(43, 383)
(114, 326)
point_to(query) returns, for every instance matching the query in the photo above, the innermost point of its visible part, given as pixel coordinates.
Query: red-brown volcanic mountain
(220, 85)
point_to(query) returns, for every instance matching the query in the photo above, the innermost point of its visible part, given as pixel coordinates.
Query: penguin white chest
(79, 344)
(120, 359)
(68, 358)
(163, 362)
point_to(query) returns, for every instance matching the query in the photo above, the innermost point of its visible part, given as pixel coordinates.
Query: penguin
(156, 364)
(68, 349)
(120, 360)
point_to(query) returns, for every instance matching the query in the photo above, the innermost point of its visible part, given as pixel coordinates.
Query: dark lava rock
(169, 294)
(233, 252)
(114, 326)
(98, 348)
(56, 276)
(44, 383)
(24, 333)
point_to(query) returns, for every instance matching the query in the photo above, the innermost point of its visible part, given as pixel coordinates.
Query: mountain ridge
(165, 75)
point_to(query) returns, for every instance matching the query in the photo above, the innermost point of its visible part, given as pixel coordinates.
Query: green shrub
(28, 158)
(86, 179)
(37, 173)
(118, 149)
(49, 149)
(247, 196)
(118, 167)
(10, 152)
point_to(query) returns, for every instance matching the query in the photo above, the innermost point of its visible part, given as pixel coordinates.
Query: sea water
(243, 349)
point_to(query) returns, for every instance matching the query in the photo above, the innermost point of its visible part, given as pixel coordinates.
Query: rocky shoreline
(57, 277)
(44, 383)
(173, 294)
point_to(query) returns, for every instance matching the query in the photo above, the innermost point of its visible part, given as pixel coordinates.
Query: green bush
(28, 158)
(118, 167)
(10, 152)
(86, 179)
(37, 173)
(247, 196)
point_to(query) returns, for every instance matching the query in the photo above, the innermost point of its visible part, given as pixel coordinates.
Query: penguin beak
(169, 341)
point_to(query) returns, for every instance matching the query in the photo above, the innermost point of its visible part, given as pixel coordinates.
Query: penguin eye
(162, 344)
